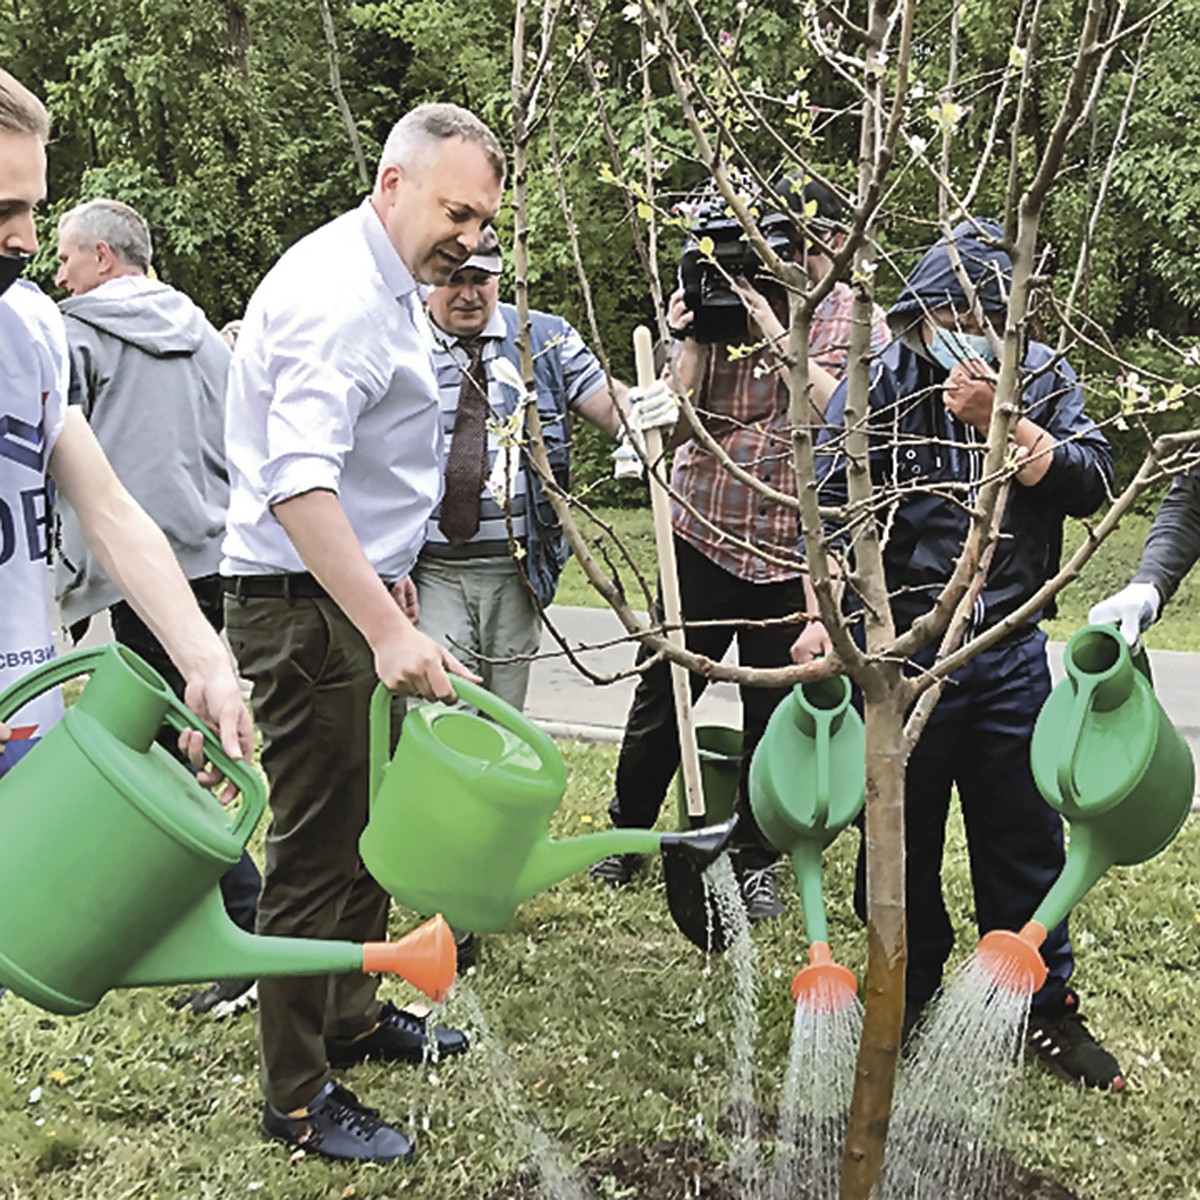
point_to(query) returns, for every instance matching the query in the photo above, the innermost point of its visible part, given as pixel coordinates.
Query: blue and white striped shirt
(582, 378)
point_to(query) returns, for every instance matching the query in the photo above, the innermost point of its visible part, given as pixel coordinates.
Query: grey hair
(122, 228)
(21, 111)
(418, 131)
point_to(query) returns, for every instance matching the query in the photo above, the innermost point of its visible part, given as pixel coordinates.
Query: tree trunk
(875, 1074)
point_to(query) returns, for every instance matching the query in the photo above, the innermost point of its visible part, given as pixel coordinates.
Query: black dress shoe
(338, 1126)
(466, 946)
(399, 1037)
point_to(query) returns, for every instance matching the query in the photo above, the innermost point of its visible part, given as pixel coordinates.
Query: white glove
(655, 407)
(627, 463)
(1134, 609)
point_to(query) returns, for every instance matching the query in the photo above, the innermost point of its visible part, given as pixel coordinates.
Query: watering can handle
(247, 780)
(1080, 708)
(84, 662)
(474, 694)
(821, 800)
(54, 673)
(508, 718)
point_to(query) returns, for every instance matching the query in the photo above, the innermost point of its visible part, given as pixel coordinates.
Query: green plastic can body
(1105, 754)
(90, 877)
(720, 749)
(457, 815)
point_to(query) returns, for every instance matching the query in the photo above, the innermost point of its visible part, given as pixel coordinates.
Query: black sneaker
(1063, 1042)
(616, 870)
(399, 1037)
(220, 1000)
(337, 1125)
(758, 891)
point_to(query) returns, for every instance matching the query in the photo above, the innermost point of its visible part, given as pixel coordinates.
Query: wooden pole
(660, 504)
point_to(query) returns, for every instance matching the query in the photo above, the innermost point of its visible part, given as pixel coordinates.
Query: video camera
(720, 315)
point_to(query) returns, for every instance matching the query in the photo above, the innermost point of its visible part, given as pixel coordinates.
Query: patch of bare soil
(684, 1170)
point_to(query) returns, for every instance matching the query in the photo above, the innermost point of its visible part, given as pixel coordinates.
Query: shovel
(683, 872)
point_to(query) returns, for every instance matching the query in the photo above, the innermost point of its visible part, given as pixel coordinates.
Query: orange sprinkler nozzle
(1013, 960)
(824, 986)
(425, 957)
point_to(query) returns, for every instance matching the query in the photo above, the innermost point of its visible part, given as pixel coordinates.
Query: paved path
(566, 703)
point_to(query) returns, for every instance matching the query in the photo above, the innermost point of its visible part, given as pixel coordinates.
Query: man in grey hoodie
(151, 372)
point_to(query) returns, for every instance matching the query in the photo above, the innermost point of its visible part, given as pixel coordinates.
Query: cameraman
(743, 400)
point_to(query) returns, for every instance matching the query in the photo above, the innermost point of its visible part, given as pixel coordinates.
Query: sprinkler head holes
(824, 986)
(1012, 960)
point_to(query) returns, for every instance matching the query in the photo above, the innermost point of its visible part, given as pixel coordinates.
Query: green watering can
(807, 783)
(1105, 755)
(111, 854)
(460, 817)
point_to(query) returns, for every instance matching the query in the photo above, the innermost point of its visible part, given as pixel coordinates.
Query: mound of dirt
(684, 1170)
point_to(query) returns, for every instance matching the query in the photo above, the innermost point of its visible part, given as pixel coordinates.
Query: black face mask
(11, 266)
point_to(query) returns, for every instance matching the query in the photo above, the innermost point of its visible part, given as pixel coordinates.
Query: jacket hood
(935, 284)
(147, 314)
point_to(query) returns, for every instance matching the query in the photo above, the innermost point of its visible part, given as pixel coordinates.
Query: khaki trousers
(313, 675)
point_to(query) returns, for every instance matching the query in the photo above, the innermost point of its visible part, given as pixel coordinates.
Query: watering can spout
(551, 861)
(1013, 961)
(824, 986)
(205, 944)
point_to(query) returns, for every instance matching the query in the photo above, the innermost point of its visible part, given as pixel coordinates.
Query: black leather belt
(299, 586)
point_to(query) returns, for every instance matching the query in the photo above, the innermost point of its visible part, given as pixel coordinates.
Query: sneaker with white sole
(617, 870)
(220, 1000)
(760, 894)
(1065, 1044)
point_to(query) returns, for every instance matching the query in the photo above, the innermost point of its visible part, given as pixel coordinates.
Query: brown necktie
(467, 462)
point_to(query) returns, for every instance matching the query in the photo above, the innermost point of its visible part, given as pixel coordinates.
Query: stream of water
(955, 1092)
(953, 1095)
(557, 1180)
(816, 1102)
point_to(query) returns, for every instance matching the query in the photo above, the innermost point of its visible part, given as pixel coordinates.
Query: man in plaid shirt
(735, 548)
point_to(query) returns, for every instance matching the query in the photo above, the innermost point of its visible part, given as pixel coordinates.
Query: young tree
(946, 128)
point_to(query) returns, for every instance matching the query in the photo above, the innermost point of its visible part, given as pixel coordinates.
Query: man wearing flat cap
(469, 585)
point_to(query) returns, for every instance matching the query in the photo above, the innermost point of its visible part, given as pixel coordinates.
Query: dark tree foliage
(216, 118)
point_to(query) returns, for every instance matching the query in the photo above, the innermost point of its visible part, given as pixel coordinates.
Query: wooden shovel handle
(660, 504)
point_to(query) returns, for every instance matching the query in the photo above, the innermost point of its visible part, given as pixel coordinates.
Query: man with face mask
(332, 439)
(930, 406)
(44, 441)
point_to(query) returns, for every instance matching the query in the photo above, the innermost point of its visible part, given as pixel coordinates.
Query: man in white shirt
(332, 443)
(41, 440)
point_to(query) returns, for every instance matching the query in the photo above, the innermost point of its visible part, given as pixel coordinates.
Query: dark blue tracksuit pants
(977, 740)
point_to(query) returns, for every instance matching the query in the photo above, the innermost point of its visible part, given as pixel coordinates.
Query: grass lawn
(615, 1029)
(616, 1033)
(1109, 570)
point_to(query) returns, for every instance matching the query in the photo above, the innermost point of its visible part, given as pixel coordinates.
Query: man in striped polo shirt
(472, 596)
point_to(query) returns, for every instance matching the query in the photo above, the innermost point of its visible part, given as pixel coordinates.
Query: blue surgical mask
(948, 347)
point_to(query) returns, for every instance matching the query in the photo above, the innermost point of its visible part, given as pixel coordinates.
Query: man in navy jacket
(930, 406)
